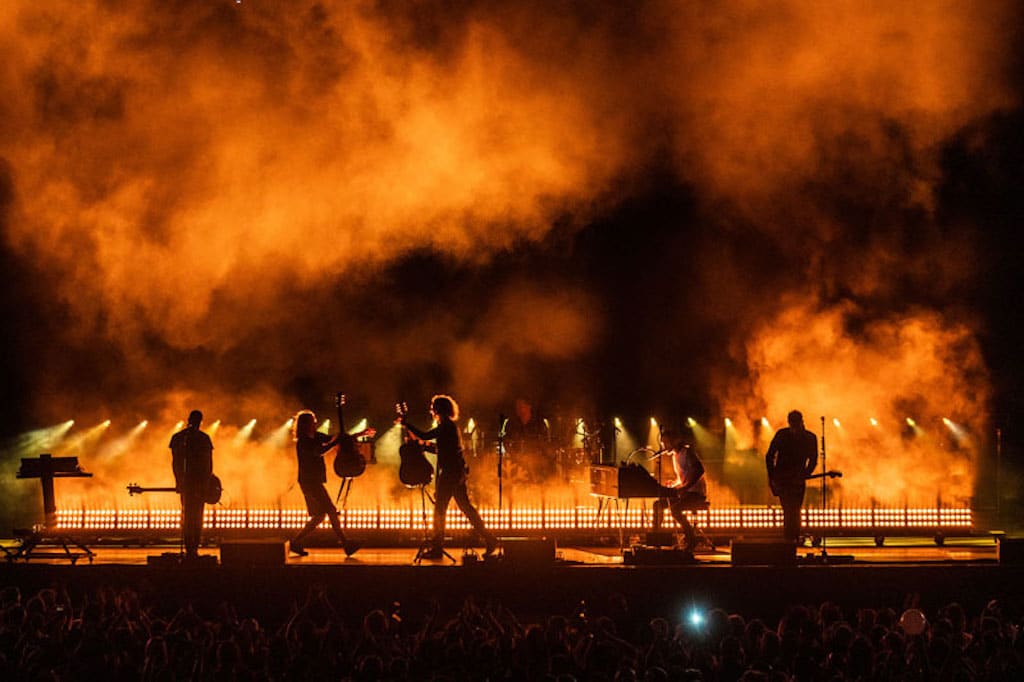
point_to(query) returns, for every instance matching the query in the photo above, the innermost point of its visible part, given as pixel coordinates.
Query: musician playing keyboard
(688, 490)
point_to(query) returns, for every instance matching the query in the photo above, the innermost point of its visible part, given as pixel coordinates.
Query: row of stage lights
(58, 434)
(766, 423)
(527, 518)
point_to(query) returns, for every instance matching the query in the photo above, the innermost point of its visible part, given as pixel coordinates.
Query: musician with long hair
(451, 474)
(310, 448)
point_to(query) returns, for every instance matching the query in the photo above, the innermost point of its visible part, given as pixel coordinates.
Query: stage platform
(864, 551)
(911, 569)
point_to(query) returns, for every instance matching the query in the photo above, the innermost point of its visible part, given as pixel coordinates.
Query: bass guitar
(349, 462)
(211, 495)
(415, 469)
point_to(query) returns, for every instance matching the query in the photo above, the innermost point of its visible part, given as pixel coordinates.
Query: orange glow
(805, 360)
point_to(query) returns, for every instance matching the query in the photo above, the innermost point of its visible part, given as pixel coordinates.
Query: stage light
(874, 422)
(142, 424)
(40, 439)
(325, 426)
(359, 427)
(179, 425)
(765, 423)
(695, 618)
(244, 433)
(911, 423)
(959, 433)
(470, 426)
(728, 423)
(835, 422)
(654, 435)
(279, 437)
(618, 422)
(691, 422)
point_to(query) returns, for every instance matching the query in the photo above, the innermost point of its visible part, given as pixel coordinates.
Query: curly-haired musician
(451, 474)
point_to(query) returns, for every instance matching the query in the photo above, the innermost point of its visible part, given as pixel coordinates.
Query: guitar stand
(427, 543)
(343, 491)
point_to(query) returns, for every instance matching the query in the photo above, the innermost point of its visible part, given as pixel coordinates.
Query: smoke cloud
(221, 202)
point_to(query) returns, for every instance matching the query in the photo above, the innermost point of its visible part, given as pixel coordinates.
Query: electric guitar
(415, 469)
(211, 494)
(824, 474)
(349, 462)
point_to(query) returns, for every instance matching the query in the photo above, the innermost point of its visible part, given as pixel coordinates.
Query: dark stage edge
(357, 586)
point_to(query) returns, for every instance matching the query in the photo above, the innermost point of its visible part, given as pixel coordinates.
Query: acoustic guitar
(415, 469)
(349, 462)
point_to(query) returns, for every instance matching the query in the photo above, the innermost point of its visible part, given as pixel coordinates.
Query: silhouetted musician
(527, 442)
(192, 461)
(792, 456)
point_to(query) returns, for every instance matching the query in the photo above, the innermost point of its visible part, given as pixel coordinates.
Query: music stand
(426, 544)
(46, 468)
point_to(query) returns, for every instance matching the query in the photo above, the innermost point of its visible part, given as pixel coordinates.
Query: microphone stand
(824, 495)
(502, 424)
(824, 558)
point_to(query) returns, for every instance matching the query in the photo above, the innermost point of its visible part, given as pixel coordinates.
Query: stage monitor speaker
(1011, 551)
(528, 551)
(763, 553)
(252, 553)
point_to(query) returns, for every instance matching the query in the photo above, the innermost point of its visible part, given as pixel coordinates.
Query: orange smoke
(184, 174)
(917, 365)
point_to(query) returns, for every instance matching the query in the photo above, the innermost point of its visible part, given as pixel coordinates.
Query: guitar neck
(138, 490)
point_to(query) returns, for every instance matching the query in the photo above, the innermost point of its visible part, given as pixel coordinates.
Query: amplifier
(528, 551)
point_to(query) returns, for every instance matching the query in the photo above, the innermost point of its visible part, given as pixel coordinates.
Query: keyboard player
(689, 489)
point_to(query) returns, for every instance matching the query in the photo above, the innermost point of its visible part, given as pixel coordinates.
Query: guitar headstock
(401, 408)
(339, 399)
(134, 489)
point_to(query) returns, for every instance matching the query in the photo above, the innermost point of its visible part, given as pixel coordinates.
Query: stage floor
(906, 550)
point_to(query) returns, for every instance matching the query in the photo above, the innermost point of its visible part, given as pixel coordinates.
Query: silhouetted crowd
(111, 634)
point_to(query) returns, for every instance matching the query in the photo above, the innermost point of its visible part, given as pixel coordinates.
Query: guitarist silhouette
(791, 457)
